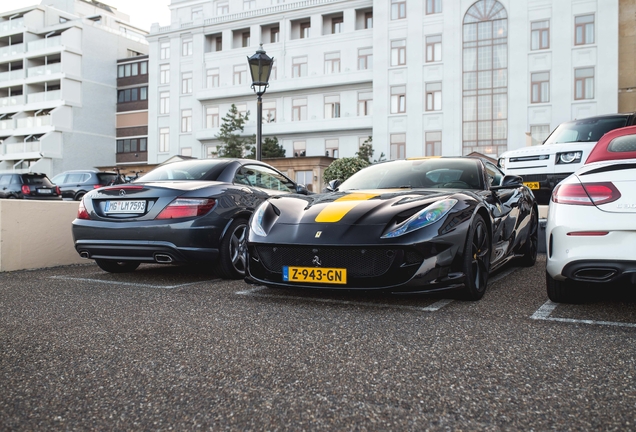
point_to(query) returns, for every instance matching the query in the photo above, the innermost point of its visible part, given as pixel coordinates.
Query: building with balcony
(58, 80)
(422, 77)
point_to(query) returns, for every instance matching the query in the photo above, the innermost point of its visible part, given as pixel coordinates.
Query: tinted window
(75, 178)
(495, 177)
(429, 173)
(264, 177)
(188, 170)
(106, 178)
(59, 179)
(586, 130)
(36, 180)
(623, 144)
(5, 179)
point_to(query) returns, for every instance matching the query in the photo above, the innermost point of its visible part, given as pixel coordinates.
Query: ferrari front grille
(359, 262)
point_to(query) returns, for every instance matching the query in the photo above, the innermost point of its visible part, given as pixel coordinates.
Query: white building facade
(58, 84)
(422, 77)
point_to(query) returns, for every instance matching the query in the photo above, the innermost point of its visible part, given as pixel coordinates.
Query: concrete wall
(36, 234)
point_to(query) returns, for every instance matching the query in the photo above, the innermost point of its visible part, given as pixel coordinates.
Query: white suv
(563, 152)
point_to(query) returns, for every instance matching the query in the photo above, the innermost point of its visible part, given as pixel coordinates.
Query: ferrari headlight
(428, 216)
(257, 220)
(569, 157)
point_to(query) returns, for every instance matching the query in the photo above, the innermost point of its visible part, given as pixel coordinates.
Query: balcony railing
(44, 96)
(29, 122)
(12, 75)
(12, 100)
(23, 147)
(11, 24)
(44, 70)
(6, 124)
(44, 43)
(12, 50)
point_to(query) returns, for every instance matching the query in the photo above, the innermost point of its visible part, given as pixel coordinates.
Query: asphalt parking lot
(175, 348)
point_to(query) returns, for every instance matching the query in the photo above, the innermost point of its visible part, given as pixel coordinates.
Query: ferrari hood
(355, 206)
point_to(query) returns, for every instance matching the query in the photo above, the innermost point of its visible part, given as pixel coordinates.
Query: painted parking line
(255, 292)
(132, 283)
(543, 313)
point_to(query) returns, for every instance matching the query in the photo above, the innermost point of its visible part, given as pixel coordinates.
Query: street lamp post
(260, 68)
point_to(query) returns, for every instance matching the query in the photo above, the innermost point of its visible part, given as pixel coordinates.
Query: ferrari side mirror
(332, 186)
(509, 182)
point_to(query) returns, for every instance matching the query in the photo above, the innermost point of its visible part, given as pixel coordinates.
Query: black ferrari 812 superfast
(416, 225)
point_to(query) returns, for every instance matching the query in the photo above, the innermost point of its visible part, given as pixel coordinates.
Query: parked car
(398, 226)
(591, 226)
(33, 186)
(563, 152)
(75, 183)
(195, 210)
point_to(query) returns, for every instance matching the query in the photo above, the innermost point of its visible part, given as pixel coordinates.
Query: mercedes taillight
(186, 207)
(585, 193)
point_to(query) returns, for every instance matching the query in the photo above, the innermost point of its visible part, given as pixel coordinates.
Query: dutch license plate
(125, 206)
(532, 185)
(45, 191)
(314, 274)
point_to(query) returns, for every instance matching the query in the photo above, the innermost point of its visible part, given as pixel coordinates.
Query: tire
(233, 251)
(560, 291)
(476, 264)
(79, 196)
(112, 266)
(531, 246)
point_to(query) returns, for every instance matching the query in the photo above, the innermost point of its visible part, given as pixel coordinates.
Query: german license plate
(45, 191)
(315, 274)
(125, 206)
(532, 185)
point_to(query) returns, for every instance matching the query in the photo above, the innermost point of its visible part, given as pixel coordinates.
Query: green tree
(234, 146)
(270, 149)
(366, 150)
(343, 168)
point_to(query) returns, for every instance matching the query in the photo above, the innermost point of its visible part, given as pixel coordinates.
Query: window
(299, 67)
(245, 41)
(365, 103)
(241, 109)
(249, 4)
(300, 148)
(433, 96)
(540, 35)
(304, 29)
(540, 87)
(332, 106)
(398, 146)
(331, 148)
(186, 83)
(269, 112)
(197, 12)
(186, 151)
(128, 145)
(299, 109)
(164, 50)
(164, 74)
(336, 25)
(398, 99)
(584, 83)
(132, 69)
(132, 95)
(186, 47)
(274, 35)
(264, 177)
(539, 133)
(240, 74)
(433, 48)
(584, 30)
(222, 7)
(212, 78)
(164, 103)
(305, 178)
(433, 6)
(398, 52)
(211, 117)
(365, 58)
(186, 120)
(433, 144)
(164, 140)
(218, 43)
(398, 9)
(368, 20)
(332, 62)
(143, 68)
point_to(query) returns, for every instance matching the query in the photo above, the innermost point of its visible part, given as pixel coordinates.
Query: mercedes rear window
(623, 144)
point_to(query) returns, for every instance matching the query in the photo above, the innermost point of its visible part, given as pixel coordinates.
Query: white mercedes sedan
(591, 226)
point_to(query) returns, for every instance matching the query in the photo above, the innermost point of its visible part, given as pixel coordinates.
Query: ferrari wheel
(233, 251)
(117, 266)
(560, 291)
(531, 245)
(476, 259)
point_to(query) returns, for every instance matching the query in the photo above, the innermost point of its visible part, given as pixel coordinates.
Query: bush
(343, 168)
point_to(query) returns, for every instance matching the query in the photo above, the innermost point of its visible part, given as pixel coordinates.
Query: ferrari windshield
(585, 130)
(427, 173)
(186, 170)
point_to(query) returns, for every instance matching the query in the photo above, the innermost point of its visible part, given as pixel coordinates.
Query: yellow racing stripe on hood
(336, 210)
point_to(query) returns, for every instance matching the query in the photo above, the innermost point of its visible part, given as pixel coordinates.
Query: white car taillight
(585, 193)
